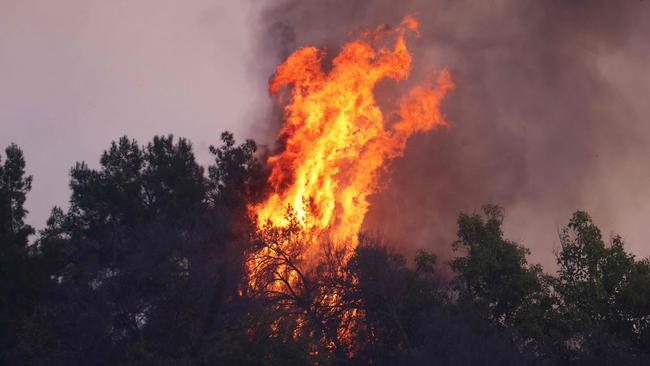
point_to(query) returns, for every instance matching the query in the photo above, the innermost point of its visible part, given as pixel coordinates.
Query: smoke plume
(548, 115)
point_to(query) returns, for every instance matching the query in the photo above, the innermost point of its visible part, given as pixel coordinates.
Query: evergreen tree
(19, 277)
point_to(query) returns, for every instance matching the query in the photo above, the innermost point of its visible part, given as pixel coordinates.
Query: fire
(336, 143)
(336, 139)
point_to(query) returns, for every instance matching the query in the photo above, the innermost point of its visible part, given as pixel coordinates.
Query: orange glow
(336, 139)
(336, 143)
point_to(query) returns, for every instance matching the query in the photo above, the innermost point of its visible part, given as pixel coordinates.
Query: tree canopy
(150, 265)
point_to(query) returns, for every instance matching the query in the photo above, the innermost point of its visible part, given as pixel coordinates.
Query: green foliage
(494, 275)
(594, 311)
(603, 291)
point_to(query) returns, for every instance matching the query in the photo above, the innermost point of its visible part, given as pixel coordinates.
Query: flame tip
(336, 139)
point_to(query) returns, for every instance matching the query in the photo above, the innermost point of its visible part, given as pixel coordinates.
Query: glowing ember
(336, 138)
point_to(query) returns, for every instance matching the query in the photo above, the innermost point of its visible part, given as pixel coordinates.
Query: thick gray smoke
(549, 114)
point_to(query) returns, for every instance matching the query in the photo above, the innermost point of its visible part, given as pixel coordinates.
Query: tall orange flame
(336, 139)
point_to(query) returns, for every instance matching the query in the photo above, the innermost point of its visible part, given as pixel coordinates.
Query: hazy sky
(549, 116)
(76, 74)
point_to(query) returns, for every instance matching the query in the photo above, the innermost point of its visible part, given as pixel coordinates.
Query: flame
(336, 143)
(336, 138)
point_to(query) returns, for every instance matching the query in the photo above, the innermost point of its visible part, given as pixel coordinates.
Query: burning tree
(336, 138)
(336, 142)
(316, 295)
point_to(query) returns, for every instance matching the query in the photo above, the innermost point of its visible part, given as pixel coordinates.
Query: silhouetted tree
(157, 263)
(605, 302)
(130, 256)
(392, 298)
(20, 279)
(493, 275)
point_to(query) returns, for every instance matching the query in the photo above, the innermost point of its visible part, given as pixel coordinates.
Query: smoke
(548, 115)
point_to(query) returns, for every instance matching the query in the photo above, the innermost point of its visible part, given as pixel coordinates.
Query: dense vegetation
(146, 267)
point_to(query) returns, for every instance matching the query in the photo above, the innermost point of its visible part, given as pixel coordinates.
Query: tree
(392, 299)
(122, 254)
(237, 177)
(493, 274)
(495, 282)
(308, 297)
(14, 186)
(605, 301)
(21, 278)
(148, 260)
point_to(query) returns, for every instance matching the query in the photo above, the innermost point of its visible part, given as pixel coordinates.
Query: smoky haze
(77, 74)
(549, 114)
